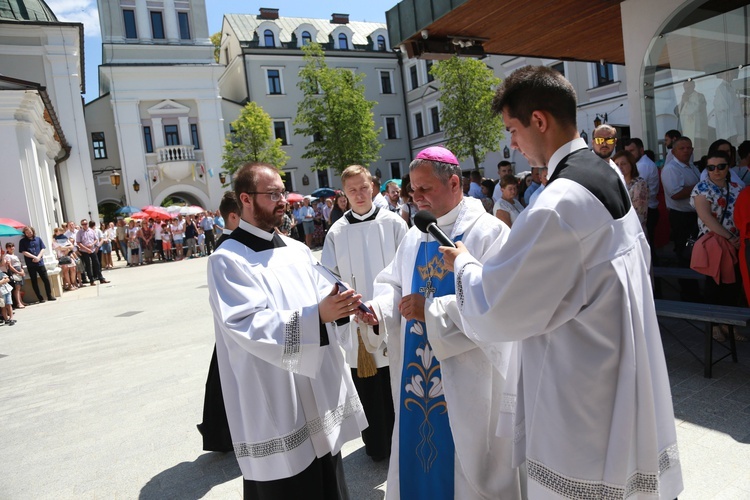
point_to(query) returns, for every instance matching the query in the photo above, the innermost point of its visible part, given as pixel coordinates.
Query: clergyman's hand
(412, 307)
(369, 319)
(450, 254)
(338, 305)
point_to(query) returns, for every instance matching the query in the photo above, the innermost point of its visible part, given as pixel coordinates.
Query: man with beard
(605, 141)
(290, 400)
(449, 394)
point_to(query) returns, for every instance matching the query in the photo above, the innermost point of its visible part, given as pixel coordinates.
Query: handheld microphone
(427, 223)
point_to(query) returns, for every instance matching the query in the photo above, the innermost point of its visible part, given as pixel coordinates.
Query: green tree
(216, 40)
(468, 86)
(253, 140)
(335, 113)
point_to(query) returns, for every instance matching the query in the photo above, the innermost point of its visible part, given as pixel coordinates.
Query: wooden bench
(710, 315)
(684, 273)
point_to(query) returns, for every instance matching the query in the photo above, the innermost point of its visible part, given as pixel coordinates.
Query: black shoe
(10, 322)
(52, 299)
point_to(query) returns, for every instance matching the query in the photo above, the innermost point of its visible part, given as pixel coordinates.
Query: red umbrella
(159, 213)
(12, 223)
(294, 197)
(140, 215)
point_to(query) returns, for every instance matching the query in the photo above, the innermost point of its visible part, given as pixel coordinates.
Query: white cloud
(78, 11)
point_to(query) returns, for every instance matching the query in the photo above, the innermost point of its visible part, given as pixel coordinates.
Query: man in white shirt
(650, 173)
(289, 398)
(377, 197)
(595, 416)
(393, 197)
(679, 177)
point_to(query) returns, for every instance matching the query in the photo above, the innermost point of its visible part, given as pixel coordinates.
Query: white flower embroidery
(416, 328)
(426, 356)
(415, 386)
(437, 387)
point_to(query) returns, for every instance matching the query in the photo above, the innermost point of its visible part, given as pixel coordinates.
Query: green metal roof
(26, 10)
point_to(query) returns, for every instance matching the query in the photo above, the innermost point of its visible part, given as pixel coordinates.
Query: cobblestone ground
(100, 393)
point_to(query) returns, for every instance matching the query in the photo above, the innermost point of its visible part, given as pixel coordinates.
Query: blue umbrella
(9, 231)
(128, 210)
(323, 193)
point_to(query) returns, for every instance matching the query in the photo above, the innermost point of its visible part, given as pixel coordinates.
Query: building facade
(263, 56)
(46, 165)
(158, 120)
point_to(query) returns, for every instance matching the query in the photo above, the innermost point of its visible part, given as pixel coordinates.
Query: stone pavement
(100, 393)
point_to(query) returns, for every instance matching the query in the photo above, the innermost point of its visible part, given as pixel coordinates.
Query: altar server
(290, 400)
(594, 416)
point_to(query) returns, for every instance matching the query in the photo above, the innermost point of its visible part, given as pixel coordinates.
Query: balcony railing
(176, 162)
(175, 153)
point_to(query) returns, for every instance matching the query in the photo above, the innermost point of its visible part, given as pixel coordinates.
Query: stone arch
(190, 194)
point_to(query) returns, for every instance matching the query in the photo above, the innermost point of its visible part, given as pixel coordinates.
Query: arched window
(381, 43)
(269, 39)
(306, 38)
(343, 42)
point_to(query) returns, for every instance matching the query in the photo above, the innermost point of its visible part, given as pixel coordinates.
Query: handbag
(133, 244)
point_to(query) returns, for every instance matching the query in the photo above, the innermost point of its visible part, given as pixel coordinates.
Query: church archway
(108, 211)
(182, 194)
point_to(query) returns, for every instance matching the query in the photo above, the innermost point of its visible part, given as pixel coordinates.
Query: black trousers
(652, 219)
(40, 271)
(377, 402)
(684, 225)
(92, 266)
(322, 480)
(215, 428)
(210, 241)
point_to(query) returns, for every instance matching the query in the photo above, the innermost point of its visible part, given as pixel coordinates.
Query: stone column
(143, 21)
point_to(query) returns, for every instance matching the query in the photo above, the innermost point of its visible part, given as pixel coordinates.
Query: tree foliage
(468, 86)
(216, 40)
(336, 114)
(253, 140)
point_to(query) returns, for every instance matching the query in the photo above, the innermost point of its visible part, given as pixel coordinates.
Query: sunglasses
(602, 140)
(720, 166)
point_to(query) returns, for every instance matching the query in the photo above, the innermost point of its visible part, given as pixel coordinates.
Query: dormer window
(381, 43)
(268, 39)
(306, 38)
(343, 42)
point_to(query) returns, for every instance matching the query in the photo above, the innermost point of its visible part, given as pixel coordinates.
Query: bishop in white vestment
(290, 401)
(594, 416)
(448, 392)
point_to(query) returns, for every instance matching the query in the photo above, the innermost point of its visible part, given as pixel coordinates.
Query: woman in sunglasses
(714, 200)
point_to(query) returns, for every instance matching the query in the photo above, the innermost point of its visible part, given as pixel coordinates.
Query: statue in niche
(694, 118)
(728, 108)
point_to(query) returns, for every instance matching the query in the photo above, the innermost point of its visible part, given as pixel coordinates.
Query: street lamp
(136, 186)
(114, 178)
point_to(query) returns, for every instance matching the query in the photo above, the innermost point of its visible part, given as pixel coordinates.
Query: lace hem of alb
(639, 482)
(325, 424)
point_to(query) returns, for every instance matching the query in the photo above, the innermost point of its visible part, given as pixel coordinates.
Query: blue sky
(85, 11)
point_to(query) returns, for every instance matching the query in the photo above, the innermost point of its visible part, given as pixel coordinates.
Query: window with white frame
(428, 67)
(184, 22)
(418, 125)
(391, 127)
(343, 41)
(128, 16)
(268, 39)
(435, 119)
(100, 148)
(395, 169)
(323, 179)
(157, 25)
(273, 81)
(381, 43)
(386, 81)
(413, 77)
(306, 38)
(279, 130)
(604, 74)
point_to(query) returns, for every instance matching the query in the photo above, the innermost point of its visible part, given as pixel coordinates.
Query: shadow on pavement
(192, 480)
(364, 477)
